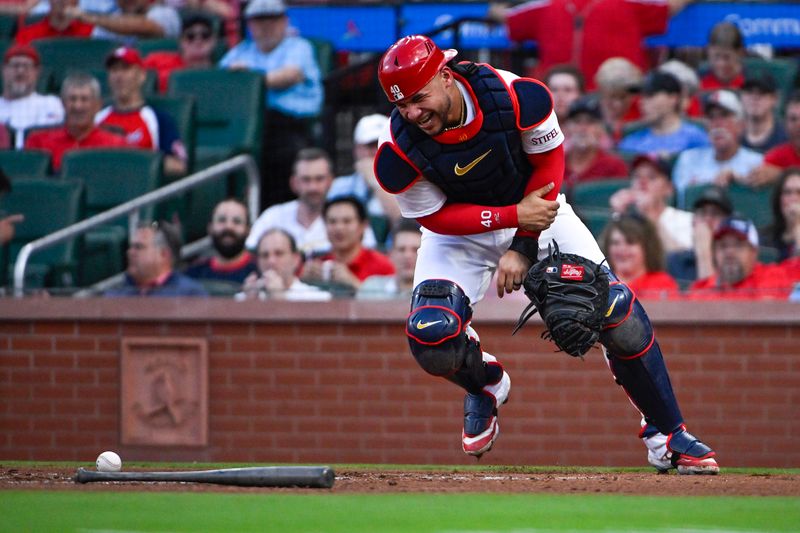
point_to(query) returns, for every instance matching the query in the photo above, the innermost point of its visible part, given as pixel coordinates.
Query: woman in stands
(636, 255)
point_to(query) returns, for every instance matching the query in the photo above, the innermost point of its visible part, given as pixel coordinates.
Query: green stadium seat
(590, 201)
(8, 26)
(323, 51)
(111, 177)
(753, 203)
(48, 205)
(63, 55)
(18, 164)
(224, 127)
(148, 46)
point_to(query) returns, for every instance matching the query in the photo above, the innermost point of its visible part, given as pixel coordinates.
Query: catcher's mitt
(571, 294)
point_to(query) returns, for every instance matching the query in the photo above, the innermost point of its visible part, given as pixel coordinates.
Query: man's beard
(228, 244)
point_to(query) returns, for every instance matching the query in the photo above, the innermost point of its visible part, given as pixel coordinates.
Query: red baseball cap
(409, 64)
(126, 55)
(22, 50)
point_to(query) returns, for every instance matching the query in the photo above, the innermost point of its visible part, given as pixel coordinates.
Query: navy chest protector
(489, 168)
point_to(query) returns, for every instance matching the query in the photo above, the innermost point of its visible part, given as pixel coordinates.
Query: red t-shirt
(164, 63)
(709, 82)
(58, 141)
(654, 285)
(783, 156)
(766, 282)
(605, 165)
(609, 28)
(43, 30)
(367, 263)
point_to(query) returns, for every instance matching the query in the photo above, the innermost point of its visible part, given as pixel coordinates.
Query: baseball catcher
(475, 155)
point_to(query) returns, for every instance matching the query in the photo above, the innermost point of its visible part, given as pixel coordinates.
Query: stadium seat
(590, 201)
(182, 111)
(48, 205)
(111, 177)
(323, 51)
(749, 202)
(148, 46)
(63, 55)
(8, 26)
(224, 127)
(19, 164)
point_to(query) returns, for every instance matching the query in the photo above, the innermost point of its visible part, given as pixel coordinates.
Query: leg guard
(636, 361)
(436, 330)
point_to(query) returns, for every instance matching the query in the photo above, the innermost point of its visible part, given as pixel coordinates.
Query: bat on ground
(316, 477)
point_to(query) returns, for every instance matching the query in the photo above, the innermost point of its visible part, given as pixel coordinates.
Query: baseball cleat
(481, 428)
(689, 455)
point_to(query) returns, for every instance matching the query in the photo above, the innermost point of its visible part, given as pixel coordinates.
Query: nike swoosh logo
(423, 325)
(613, 304)
(460, 171)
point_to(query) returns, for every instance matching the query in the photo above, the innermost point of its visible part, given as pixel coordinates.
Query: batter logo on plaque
(164, 393)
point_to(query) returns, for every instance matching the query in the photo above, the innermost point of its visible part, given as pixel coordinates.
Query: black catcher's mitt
(571, 294)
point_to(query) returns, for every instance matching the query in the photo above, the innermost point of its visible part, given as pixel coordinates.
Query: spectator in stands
(618, 84)
(737, 272)
(57, 23)
(152, 254)
(279, 261)
(362, 183)
(21, 107)
(143, 126)
(649, 196)
(566, 84)
(42, 7)
(7, 221)
(586, 160)
(784, 233)
(294, 91)
(228, 230)
(220, 8)
(760, 98)
(80, 95)
(726, 160)
(665, 133)
(133, 20)
(586, 33)
(690, 84)
(635, 254)
(348, 263)
(196, 48)
(406, 239)
(709, 210)
(725, 50)
(302, 218)
(783, 155)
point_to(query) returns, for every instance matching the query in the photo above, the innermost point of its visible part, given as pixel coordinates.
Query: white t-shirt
(310, 240)
(32, 110)
(698, 166)
(678, 224)
(424, 198)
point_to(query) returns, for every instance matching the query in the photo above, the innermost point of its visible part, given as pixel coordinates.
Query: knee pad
(628, 332)
(440, 314)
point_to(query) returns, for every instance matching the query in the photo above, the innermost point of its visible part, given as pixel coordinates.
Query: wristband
(527, 246)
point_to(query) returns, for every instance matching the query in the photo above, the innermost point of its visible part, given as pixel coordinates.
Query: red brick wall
(335, 383)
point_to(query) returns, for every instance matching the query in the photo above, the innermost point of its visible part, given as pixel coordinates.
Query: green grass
(39, 511)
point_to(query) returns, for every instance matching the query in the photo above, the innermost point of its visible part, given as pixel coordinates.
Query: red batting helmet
(409, 64)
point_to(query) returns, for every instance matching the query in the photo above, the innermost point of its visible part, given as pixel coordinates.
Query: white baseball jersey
(470, 260)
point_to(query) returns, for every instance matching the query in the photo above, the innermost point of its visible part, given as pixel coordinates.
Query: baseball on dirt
(108, 462)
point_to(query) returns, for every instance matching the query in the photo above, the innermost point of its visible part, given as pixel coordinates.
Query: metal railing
(131, 208)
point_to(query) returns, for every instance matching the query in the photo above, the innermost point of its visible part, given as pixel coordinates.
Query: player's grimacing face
(428, 108)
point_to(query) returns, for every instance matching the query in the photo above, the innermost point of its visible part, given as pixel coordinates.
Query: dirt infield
(450, 481)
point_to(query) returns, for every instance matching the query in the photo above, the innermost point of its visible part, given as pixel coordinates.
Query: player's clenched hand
(534, 213)
(511, 270)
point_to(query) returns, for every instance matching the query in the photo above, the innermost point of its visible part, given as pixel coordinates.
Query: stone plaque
(164, 392)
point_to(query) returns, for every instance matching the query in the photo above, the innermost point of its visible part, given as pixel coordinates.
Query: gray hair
(81, 79)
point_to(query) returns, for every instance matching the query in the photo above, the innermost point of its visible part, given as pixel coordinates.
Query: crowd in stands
(699, 156)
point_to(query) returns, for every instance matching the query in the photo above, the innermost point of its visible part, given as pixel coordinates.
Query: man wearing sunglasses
(196, 48)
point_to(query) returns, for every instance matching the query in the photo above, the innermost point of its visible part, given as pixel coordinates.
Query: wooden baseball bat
(317, 477)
